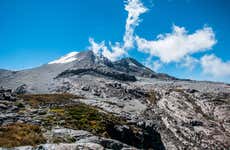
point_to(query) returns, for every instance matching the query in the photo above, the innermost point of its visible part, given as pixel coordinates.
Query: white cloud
(116, 52)
(189, 62)
(134, 8)
(157, 65)
(154, 65)
(101, 49)
(214, 66)
(172, 47)
(96, 47)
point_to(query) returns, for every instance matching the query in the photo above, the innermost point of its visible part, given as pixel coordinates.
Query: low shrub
(36, 100)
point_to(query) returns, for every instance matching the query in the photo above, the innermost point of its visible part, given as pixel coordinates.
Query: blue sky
(33, 33)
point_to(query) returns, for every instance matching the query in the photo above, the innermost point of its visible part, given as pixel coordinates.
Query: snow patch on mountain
(65, 59)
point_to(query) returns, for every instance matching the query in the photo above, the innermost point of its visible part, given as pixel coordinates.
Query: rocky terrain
(93, 103)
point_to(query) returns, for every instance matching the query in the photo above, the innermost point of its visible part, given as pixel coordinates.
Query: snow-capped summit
(76, 65)
(65, 59)
(89, 59)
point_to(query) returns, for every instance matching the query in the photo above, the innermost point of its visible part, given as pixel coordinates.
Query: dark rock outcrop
(6, 94)
(95, 71)
(21, 89)
(141, 138)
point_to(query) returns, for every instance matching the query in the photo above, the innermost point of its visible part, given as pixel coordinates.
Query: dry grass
(36, 100)
(179, 90)
(152, 98)
(20, 134)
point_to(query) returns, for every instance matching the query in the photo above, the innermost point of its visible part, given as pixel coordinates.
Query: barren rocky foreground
(93, 103)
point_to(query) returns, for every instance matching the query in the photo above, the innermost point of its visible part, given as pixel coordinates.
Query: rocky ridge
(45, 112)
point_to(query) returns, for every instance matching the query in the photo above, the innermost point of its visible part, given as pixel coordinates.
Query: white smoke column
(134, 8)
(114, 51)
(96, 47)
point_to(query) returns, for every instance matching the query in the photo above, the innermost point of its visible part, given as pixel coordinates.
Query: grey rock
(3, 107)
(191, 91)
(63, 146)
(21, 89)
(13, 108)
(85, 138)
(85, 88)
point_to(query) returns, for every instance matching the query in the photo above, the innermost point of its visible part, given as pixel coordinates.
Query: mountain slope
(160, 112)
(43, 78)
(132, 66)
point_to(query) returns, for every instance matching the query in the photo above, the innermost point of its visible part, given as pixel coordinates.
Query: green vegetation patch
(20, 134)
(36, 100)
(83, 117)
